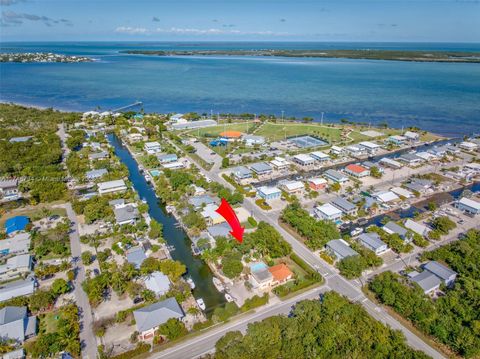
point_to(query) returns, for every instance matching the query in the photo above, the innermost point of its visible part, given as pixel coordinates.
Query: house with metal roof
(468, 205)
(16, 224)
(219, 230)
(261, 168)
(388, 162)
(15, 267)
(9, 190)
(241, 173)
(386, 197)
(136, 256)
(335, 176)
(320, 156)
(167, 157)
(411, 159)
(94, 174)
(279, 163)
(260, 278)
(128, 214)
(292, 187)
(412, 136)
(269, 192)
(340, 249)
(393, 228)
(373, 242)
(158, 283)
(418, 228)
(419, 185)
(198, 202)
(112, 186)
(16, 289)
(17, 244)
(149, 318)
(397, 140)
(317, 183)
(211, 216)
(370, 147)
(152, 147)
(427, 281)
(446, 275)
(328, 212)
(98, 155)
(345, 206)
(15, 324)
(303, 160)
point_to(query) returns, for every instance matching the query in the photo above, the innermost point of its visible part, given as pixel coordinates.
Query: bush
(232, 265)
(140, 349)
(254, 302)
(87, 258)
(252, 221)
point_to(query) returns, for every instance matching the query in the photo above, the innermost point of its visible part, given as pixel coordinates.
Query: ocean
(440, 97)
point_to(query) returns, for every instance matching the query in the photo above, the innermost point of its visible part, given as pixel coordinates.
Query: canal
(173, 234)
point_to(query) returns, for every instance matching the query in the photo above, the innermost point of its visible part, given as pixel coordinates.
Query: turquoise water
(155, 173)
(258, 267)
(439, 97)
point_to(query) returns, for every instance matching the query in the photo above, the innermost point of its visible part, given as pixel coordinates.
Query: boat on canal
(201, 304)
(228, 297)
(218, 284)
(190, 282)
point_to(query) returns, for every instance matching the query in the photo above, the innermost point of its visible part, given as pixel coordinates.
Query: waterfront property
(345, 206)
(261, 168)
(269, 192)
(393, 228)
(468, 146)
(386, 197)
(402, 192)
(412, 136)
(152, 147)
(336, 176)
(328, 212)
(339, 249)
(468, 205)
(158, 283)
(411, 159)
(95, 174)
(148, 319)
(397, 140)
(112, 186)
(370, 147)
(320, 156)
(417, 227)
(303, 160)
(388, 162)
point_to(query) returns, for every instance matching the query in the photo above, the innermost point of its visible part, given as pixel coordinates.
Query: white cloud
(192, 31)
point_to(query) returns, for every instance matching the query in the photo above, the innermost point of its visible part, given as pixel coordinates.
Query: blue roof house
(15, 224)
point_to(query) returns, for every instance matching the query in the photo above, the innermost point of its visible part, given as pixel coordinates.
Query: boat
(218, 284)
(169, 209)
(405, 205)
(201, 304)
(148, 178)
(356, 231)
(228, 297)
(190, 282)
(362, 221)
(144, 200)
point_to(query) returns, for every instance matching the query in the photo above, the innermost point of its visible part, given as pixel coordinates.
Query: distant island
(41, 57)
(419, 56)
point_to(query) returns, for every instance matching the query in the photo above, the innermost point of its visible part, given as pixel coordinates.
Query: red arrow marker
(227, 212)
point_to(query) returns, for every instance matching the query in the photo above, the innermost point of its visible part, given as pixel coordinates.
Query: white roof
(329, 210)
(158, 283)
(417, 227)
(293, 185)
(317, 180)
(152, 144)
(473, 166)
(468, 144)
(369, 144)
(402, 192)
(470, 203)
(102, 186)
(336, 148)
(319, 154)
(266, 190)
(411, 134)
(390, 161)
(426, 155)
(399, 138)
(173, 165)
(210, 211)
(279, 163)
(386, 196)
(304, 157)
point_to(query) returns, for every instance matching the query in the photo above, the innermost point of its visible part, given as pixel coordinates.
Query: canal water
(173, 234)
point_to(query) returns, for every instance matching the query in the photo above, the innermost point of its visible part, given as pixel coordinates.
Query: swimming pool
(155, 173)
(256, 267)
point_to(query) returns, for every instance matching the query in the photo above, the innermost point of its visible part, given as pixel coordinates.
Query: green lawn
(278, 131)
(34, 213)
(214, 131)
(50, 321)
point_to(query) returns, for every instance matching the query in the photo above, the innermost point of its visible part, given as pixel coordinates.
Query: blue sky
(221, 20)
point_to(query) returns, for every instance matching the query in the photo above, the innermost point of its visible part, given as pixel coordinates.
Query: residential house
(468, 205)
(152, 147)
(292, 187)
(198, 202)
(149, 318)
(269, 192)
(357, 170)
(393, 228)
(167, 158)
(98, 156)
(9, 190)
(260, 278)
(136, 256)
(16, 324)
(176, 165)
(339, 249)
(402, 192)
(355, 151)
(95, 174)
(112, 186)
(417, 227)
(304, 160)
(397, 140)
(468, 146)
(373, 242)
(16, 289)
(219, 230)
(16, 224)
(320, 156)
(117, 203)
(446, 275)
(370, 147)
(198, 191)
(426, 156)
(328, 212)
(317, 183)
(345, 206)
(16, 266)
(280, 163)
(427, 281)
(158, 283)
(336, 150)
(280, 273)
(15, 354)
(439, 151)
(386, 197)
(20, 139)
(134, 137)
(419, 185)
(411, 159)
(241, 173)
(18, 244)
(388, 162)
(211, 216)
(412, 136)
(128, 214)
(335, 176)
(261, 168)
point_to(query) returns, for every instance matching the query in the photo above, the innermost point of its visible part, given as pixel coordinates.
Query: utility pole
(321, 120)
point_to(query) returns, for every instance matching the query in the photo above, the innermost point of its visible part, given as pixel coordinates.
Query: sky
(241, 20)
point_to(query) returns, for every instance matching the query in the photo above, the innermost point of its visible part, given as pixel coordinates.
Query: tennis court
(307, 141)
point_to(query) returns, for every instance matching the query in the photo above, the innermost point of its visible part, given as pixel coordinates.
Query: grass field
(214, 131)
(34, 213)
(278, 131)
(51, 321)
